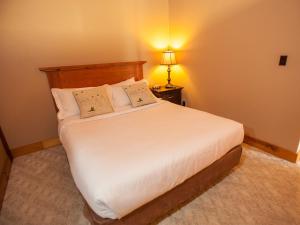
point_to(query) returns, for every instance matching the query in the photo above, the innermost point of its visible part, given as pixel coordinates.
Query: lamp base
(169, 85)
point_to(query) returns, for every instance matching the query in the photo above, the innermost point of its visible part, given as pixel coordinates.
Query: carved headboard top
(93, 75)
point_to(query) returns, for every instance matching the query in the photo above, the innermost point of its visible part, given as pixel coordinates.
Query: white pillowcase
(119, 96)
(65, 102)
(67, 105)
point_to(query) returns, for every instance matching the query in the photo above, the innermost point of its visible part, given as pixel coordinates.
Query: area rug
(262, 190)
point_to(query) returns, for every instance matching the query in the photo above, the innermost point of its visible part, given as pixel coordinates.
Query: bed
(167, 155)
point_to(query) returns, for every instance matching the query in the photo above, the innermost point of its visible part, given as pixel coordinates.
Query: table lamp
(168, 59)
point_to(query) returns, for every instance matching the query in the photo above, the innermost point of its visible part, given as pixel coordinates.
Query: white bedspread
(122, 160)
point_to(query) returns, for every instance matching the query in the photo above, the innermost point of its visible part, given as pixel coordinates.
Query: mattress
(122, 160)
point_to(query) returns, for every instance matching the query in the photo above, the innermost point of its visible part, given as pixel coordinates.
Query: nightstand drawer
(172, 95)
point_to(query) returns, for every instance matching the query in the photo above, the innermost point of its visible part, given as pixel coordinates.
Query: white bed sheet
(122, 160)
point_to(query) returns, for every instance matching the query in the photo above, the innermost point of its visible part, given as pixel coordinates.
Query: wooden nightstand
(169, 94)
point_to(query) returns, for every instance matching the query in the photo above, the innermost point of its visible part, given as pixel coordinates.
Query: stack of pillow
(92, 101)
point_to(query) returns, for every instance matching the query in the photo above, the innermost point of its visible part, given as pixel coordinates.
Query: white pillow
(66, 103)
(119, 96)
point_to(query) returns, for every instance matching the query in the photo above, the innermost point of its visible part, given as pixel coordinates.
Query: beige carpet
(262, 190)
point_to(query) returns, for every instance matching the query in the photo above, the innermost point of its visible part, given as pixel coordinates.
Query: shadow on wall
(231, 56)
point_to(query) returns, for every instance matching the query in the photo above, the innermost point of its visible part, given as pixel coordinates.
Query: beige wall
(229, 51)
(38, 33)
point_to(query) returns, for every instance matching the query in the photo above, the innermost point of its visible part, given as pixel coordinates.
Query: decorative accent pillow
(66, 103)
(139, 94)
(93, 101)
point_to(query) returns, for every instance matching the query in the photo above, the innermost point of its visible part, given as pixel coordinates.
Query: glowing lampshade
(168, 58)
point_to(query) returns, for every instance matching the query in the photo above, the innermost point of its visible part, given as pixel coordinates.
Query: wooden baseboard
(272, 149)
(265, 146)
(38, 146)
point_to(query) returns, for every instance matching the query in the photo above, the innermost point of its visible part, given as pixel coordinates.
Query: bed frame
(157, 209)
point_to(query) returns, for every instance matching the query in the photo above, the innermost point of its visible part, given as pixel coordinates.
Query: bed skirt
(164, 205)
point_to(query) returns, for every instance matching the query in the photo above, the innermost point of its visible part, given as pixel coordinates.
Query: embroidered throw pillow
(93, 101)
(139, 94)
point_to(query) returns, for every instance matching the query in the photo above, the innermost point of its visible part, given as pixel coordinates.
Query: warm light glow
(168, 58)
(178, 43)
(156, 40)
(298, 150)
(160, 44)
(181, 36)
(159, 76)
(179, 76)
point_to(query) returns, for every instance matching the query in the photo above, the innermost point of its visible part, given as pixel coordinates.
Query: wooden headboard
(93, 75)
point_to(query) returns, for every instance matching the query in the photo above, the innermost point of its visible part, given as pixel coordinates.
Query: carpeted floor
(262, 190)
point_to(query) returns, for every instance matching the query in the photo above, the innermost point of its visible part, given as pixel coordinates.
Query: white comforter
(122, 160)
